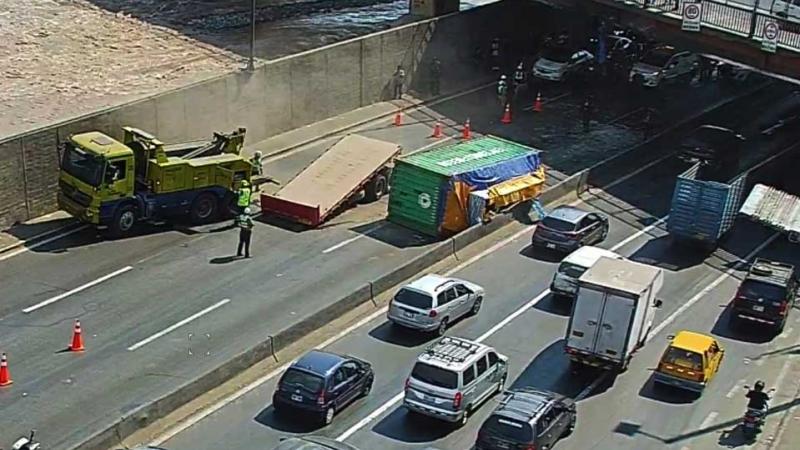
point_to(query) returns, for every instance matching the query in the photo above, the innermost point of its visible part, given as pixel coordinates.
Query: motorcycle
(753, 419)
(26, 443)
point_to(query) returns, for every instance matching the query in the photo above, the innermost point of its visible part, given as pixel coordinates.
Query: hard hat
(258, 154)
(247, 210)
(519, 66)
(759, 385)
(245, 183)
(502, 77)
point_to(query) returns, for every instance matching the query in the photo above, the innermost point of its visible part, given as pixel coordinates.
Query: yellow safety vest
(244, 197)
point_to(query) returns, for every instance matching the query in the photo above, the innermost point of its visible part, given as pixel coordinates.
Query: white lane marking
(736, 388)
(34, 245)
(710, 287)
(781, 375)
(709, 420)
(174, 327)
(353, 239)
(638, 234)
(64, 295)
(629, 113)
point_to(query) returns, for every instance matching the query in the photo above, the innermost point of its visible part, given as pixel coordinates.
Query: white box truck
(613, 313)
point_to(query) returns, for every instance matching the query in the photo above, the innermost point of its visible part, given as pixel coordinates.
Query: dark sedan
(567, 228)
(321, 384)
(312, 443)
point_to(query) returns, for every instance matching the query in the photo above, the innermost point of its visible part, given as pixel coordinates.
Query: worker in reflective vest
(244, 196)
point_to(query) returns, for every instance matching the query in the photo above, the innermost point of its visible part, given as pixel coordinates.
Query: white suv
(433, 302)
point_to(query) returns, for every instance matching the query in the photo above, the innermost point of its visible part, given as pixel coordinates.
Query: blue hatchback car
(321, 384)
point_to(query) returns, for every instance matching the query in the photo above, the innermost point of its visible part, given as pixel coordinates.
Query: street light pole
(251, 66)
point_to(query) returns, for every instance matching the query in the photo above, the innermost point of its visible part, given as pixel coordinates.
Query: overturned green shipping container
(430, 189)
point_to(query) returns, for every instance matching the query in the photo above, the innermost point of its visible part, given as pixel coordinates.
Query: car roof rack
(452, 349)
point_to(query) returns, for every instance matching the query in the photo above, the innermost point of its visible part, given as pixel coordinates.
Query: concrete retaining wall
(278, 96)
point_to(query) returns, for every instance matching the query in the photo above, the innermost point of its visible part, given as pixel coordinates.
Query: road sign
(692, 12)
(769, 41)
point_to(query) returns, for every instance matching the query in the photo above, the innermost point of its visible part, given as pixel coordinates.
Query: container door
(585, 319)
(614, 327)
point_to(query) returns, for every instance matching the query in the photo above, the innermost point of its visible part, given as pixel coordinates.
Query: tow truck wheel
(204, 208)
(124, 220)
(375, 188)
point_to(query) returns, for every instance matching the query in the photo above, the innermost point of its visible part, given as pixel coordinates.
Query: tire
(124, 221)
(462, 421)
(501, 386)
(327, 416)
(604, 235)
(367, 388)
(204, 208)
(570, 428)
(376, 188)
(442, 327)
(476, 307)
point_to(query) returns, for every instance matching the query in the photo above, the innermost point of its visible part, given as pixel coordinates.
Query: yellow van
(690, 361)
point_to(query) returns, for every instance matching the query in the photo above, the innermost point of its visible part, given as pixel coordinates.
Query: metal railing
(745, 20)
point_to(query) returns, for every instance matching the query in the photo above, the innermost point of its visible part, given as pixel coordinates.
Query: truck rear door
(585, 319)
(614, 327)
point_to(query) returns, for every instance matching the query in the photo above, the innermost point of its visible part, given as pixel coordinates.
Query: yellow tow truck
(114, 184)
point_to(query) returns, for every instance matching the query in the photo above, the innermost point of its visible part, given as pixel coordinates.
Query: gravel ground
(61, 58)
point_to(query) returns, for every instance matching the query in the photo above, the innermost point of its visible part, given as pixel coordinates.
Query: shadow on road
(404, 426)
(751, 333)
(666, 394)
(393, 334)
(286, 421)
(556, 305)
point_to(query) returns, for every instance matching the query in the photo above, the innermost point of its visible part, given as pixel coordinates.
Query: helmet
(759, 385)
(519, 66)
(502, 77)
(248, 210)
(258, 154)
(245, 183)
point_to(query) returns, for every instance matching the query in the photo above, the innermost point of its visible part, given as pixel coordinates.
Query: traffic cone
(437, 130)
(398, 119)
(77, 338)
(466, 133)
(537, 104)
(506, 115)
(5, 375)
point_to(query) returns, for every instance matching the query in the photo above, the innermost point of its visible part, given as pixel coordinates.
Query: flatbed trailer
(353, 164)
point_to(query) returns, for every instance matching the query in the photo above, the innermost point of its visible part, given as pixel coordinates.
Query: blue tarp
(486, 177)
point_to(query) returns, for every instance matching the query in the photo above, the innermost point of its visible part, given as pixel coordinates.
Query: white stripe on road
(638, 234)
(709, 420)
(174, 327)
(736, 387)
(36, 244)
(353, 239)
(52, 300)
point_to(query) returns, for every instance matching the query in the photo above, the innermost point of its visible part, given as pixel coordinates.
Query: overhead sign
(769, 41)
(692, 12)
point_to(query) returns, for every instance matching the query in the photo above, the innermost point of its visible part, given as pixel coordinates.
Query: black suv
(766, 295)
(566, 228)
(322, 383)
(312, 443)
(527, 419)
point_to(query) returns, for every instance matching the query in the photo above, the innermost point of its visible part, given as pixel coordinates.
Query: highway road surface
(521, 320)
(161, 307)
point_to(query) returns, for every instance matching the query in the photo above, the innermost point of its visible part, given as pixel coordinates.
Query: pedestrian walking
(586, 113)
(245, 223)
(398, 80)
(436, 75)
(519, 80)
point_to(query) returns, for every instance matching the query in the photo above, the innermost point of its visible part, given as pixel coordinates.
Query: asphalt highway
(160, 307)
(521, 320)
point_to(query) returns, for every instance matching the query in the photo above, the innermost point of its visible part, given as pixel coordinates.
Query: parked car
(321, 384)
(558, 63)
(712, 145)
(690, 362)
(783, 115)
(566, 228)
(433, 302)
(565, 280)
(766, 295)
(528, 419)
(663, 64)
(312, 443)
(453, 377)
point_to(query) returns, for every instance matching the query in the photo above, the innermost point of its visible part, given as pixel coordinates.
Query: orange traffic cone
(398, 119)
(5, 375)
(466, 133)
(506, 115)
(77, 338)
(437, 130)
(537, 104)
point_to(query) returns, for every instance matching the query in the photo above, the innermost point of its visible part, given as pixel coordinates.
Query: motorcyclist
(758, 399)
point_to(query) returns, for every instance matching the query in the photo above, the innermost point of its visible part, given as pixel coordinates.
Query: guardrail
(734, 17)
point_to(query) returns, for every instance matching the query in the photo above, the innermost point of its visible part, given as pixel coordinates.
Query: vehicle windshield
(657, 58)
(571, 270)
(413, 298)
(513, 430)
(558, 224)
(557, 54)
(684, 358)
(435, 376)
(754, 289)
(298, 378)
(82, 165)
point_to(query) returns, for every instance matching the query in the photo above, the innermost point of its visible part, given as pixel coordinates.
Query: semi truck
(613, 313)
(704, 209)
(113, 185)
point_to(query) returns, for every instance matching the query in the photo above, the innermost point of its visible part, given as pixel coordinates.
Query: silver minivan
(565, 280)
(453, 377)
(663, 64)
(433, 302)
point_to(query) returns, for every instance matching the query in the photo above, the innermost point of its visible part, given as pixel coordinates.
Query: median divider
(115, 432)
